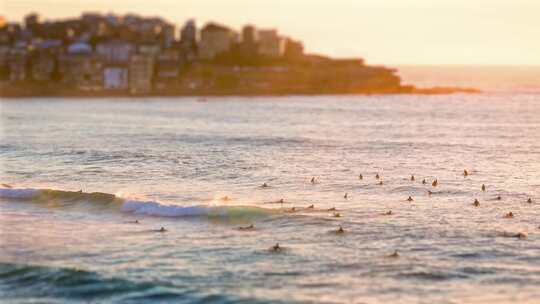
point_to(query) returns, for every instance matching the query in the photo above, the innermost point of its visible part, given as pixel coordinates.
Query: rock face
(290, 79)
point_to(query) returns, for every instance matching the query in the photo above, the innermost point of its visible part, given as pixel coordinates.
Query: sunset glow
(269, 151)
(381, 31)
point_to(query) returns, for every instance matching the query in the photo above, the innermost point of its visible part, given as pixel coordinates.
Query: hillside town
(107, 54)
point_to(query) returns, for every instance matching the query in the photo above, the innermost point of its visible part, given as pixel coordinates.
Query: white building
(271, 44)
(115, 51)
(141, 73)
(115, 78)
(215, 39)
(150, 49)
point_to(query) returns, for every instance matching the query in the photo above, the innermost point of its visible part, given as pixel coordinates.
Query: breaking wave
(60, 198)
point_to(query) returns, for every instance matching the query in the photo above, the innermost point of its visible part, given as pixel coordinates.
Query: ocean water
(77, 173)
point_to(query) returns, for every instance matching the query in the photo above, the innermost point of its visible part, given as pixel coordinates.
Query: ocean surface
(88, 183)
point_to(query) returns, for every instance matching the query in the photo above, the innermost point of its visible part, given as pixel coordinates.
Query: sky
(502, 32)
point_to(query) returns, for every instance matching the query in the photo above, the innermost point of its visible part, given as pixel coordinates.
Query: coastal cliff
(310, 77)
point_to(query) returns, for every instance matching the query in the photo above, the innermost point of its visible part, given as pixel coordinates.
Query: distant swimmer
(377, 176)
(509, 215)
(412, 178)
(250, 227)
(313, 180)
(529, 200)
(519, 235)
(499, 198)
(225, 198)
(465, 173)
(340, 230)
(346, 195)
(380, 183)
(360, 177)
(264, 185)
(332, 209)
(311, 206)
(483, 187)
(293, 209)
(389, 212)
(394, 255)
(276, 248)
(162, 230)
(281, 201)
(429, 192)
(435, 183)
(424, 181)
(476, 203)
(410, 199)
(336, 214)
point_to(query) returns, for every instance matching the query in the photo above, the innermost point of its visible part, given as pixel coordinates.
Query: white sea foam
(157, 209)
(139, 207)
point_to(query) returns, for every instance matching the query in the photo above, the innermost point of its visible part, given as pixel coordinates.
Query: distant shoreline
(22, 93)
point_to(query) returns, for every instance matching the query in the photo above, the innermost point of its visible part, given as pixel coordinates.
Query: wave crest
(60, 198)
(157, 209)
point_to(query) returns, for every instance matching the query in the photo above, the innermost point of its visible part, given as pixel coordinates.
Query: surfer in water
(519, 235)
(250, 227)
(394, 255)
(276, 248)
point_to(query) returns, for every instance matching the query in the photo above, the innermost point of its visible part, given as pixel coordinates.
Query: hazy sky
(381, 31)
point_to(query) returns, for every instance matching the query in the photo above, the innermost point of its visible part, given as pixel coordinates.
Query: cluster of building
(127, 53)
